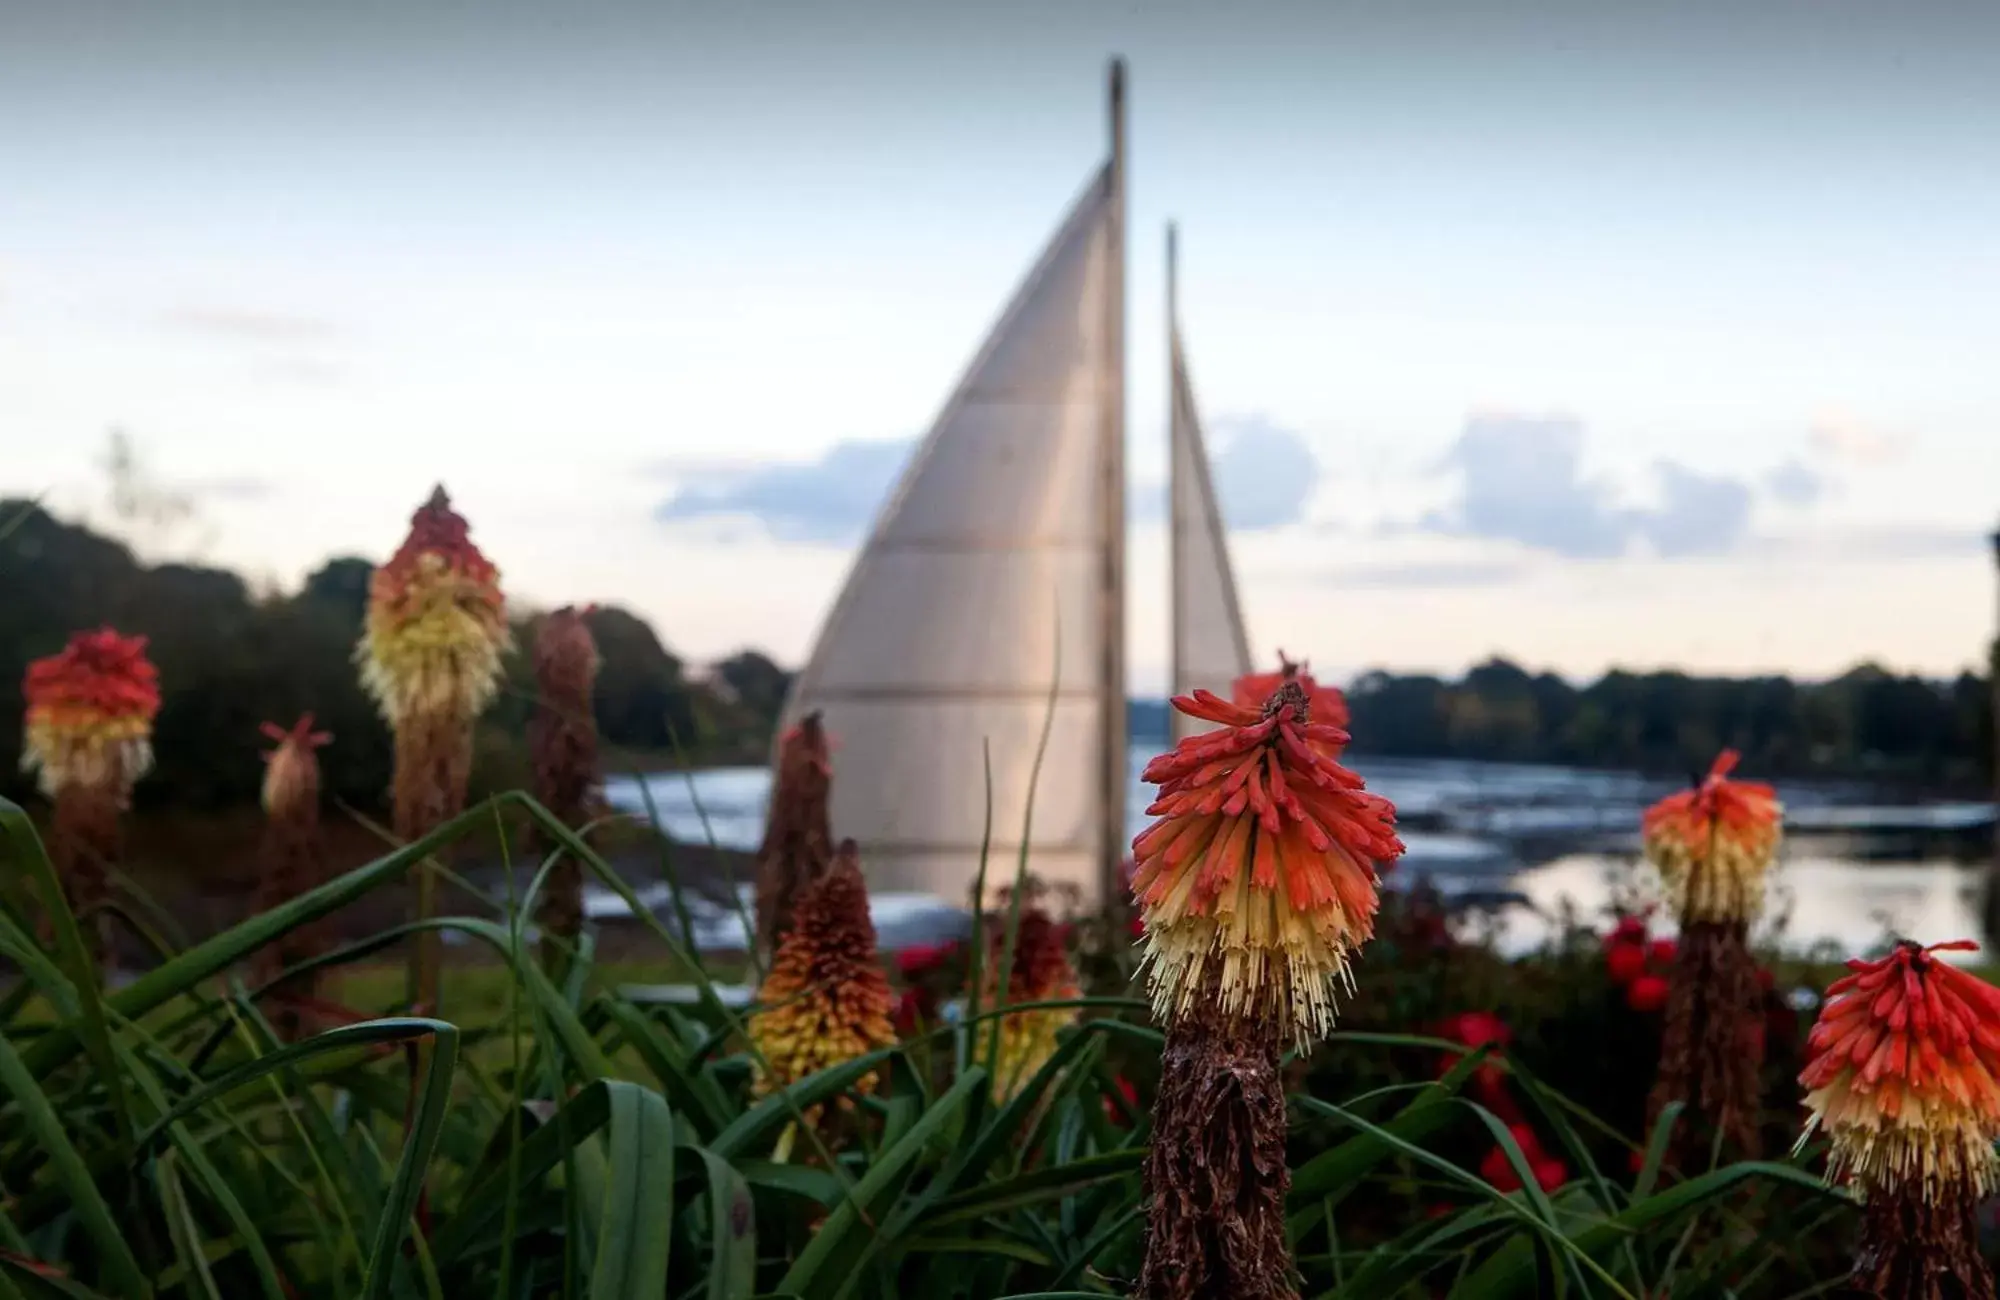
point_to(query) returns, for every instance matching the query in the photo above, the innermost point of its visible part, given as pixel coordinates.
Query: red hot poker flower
(437, 622)
(1903, 1073)
(1328, 703)
(1260, 871)
(1713, 843)
(90, 713)
(291, 772)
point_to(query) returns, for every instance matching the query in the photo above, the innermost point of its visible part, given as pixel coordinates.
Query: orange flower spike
(1042, 972)
(1329, 705)
(1903, 1074)
(90, 713)
(437, 622)
(826, 997)
(1261, 870)
(1712, 844)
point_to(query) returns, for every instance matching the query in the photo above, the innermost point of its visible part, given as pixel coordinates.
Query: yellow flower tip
(1042, 972)
(1714, 843)
(90, 713)
(437, 622)
(1258, 881)
(827, 998)
(1903, 1075)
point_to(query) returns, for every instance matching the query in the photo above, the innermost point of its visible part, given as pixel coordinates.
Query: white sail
(1209, 647)
(990, 598)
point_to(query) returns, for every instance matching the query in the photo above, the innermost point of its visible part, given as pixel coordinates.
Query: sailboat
(972, 669)
(1209, 647)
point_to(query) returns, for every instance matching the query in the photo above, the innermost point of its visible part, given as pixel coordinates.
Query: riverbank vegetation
(232, 656)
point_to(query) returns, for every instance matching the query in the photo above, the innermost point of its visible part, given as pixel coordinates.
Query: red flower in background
(1549, 1172)
(1498, 1170)
(1130, 1093)
(90, 713)
(1663, 951)
(914, 1009)
(921, 959)
(1625, 962)
(1647, 994)
(1479, 1029)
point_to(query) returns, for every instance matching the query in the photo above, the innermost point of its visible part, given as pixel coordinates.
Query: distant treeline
(230, 658)
(1865, 723)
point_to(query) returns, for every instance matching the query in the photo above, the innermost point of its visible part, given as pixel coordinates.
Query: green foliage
(1866, 722)
(156, 1140)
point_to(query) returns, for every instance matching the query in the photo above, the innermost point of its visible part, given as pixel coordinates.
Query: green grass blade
(18, 1084)
(25, 1279)
(1052, 1183)
(1511, 1270)
(585, 1114)
(433, 1095)
(398, 1029)
(732, 1258)
(831, 1264)
(768, 1116)
(73, 955)
(186, 971)
(634, 1236)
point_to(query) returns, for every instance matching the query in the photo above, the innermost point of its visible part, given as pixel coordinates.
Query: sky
(1582, 333)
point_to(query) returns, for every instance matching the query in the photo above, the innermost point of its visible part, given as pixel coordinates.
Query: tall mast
(1991, 919)
(1176, 605)
(1111, 606)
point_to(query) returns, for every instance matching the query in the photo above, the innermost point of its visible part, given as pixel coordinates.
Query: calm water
(1534, 840)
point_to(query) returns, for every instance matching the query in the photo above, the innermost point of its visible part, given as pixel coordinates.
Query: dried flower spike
(1712, 844)
(562, 749)
(1903, 1077)
(798, 842)
(291, 770)
(293, 859)
(826, 998)
(1261, 868)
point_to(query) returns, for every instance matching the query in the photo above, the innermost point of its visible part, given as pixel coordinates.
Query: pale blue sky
(1486, 266)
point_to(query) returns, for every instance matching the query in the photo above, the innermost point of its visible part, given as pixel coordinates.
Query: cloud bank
(829, 500)
(1521, 480)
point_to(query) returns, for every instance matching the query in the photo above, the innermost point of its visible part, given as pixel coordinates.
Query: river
(1527, 842)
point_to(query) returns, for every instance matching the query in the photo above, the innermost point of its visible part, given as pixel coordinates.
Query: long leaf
(184, 972)
(732, 1259)
(633, 1237)
(1511, 1270)
(831, 1263)
(18, 1084)
(770, 1115)
(83, 974)
(434, 1094)
(397, 1029)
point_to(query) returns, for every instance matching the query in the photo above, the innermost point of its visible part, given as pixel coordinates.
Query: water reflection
(1828, 906)
(1527, 842)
